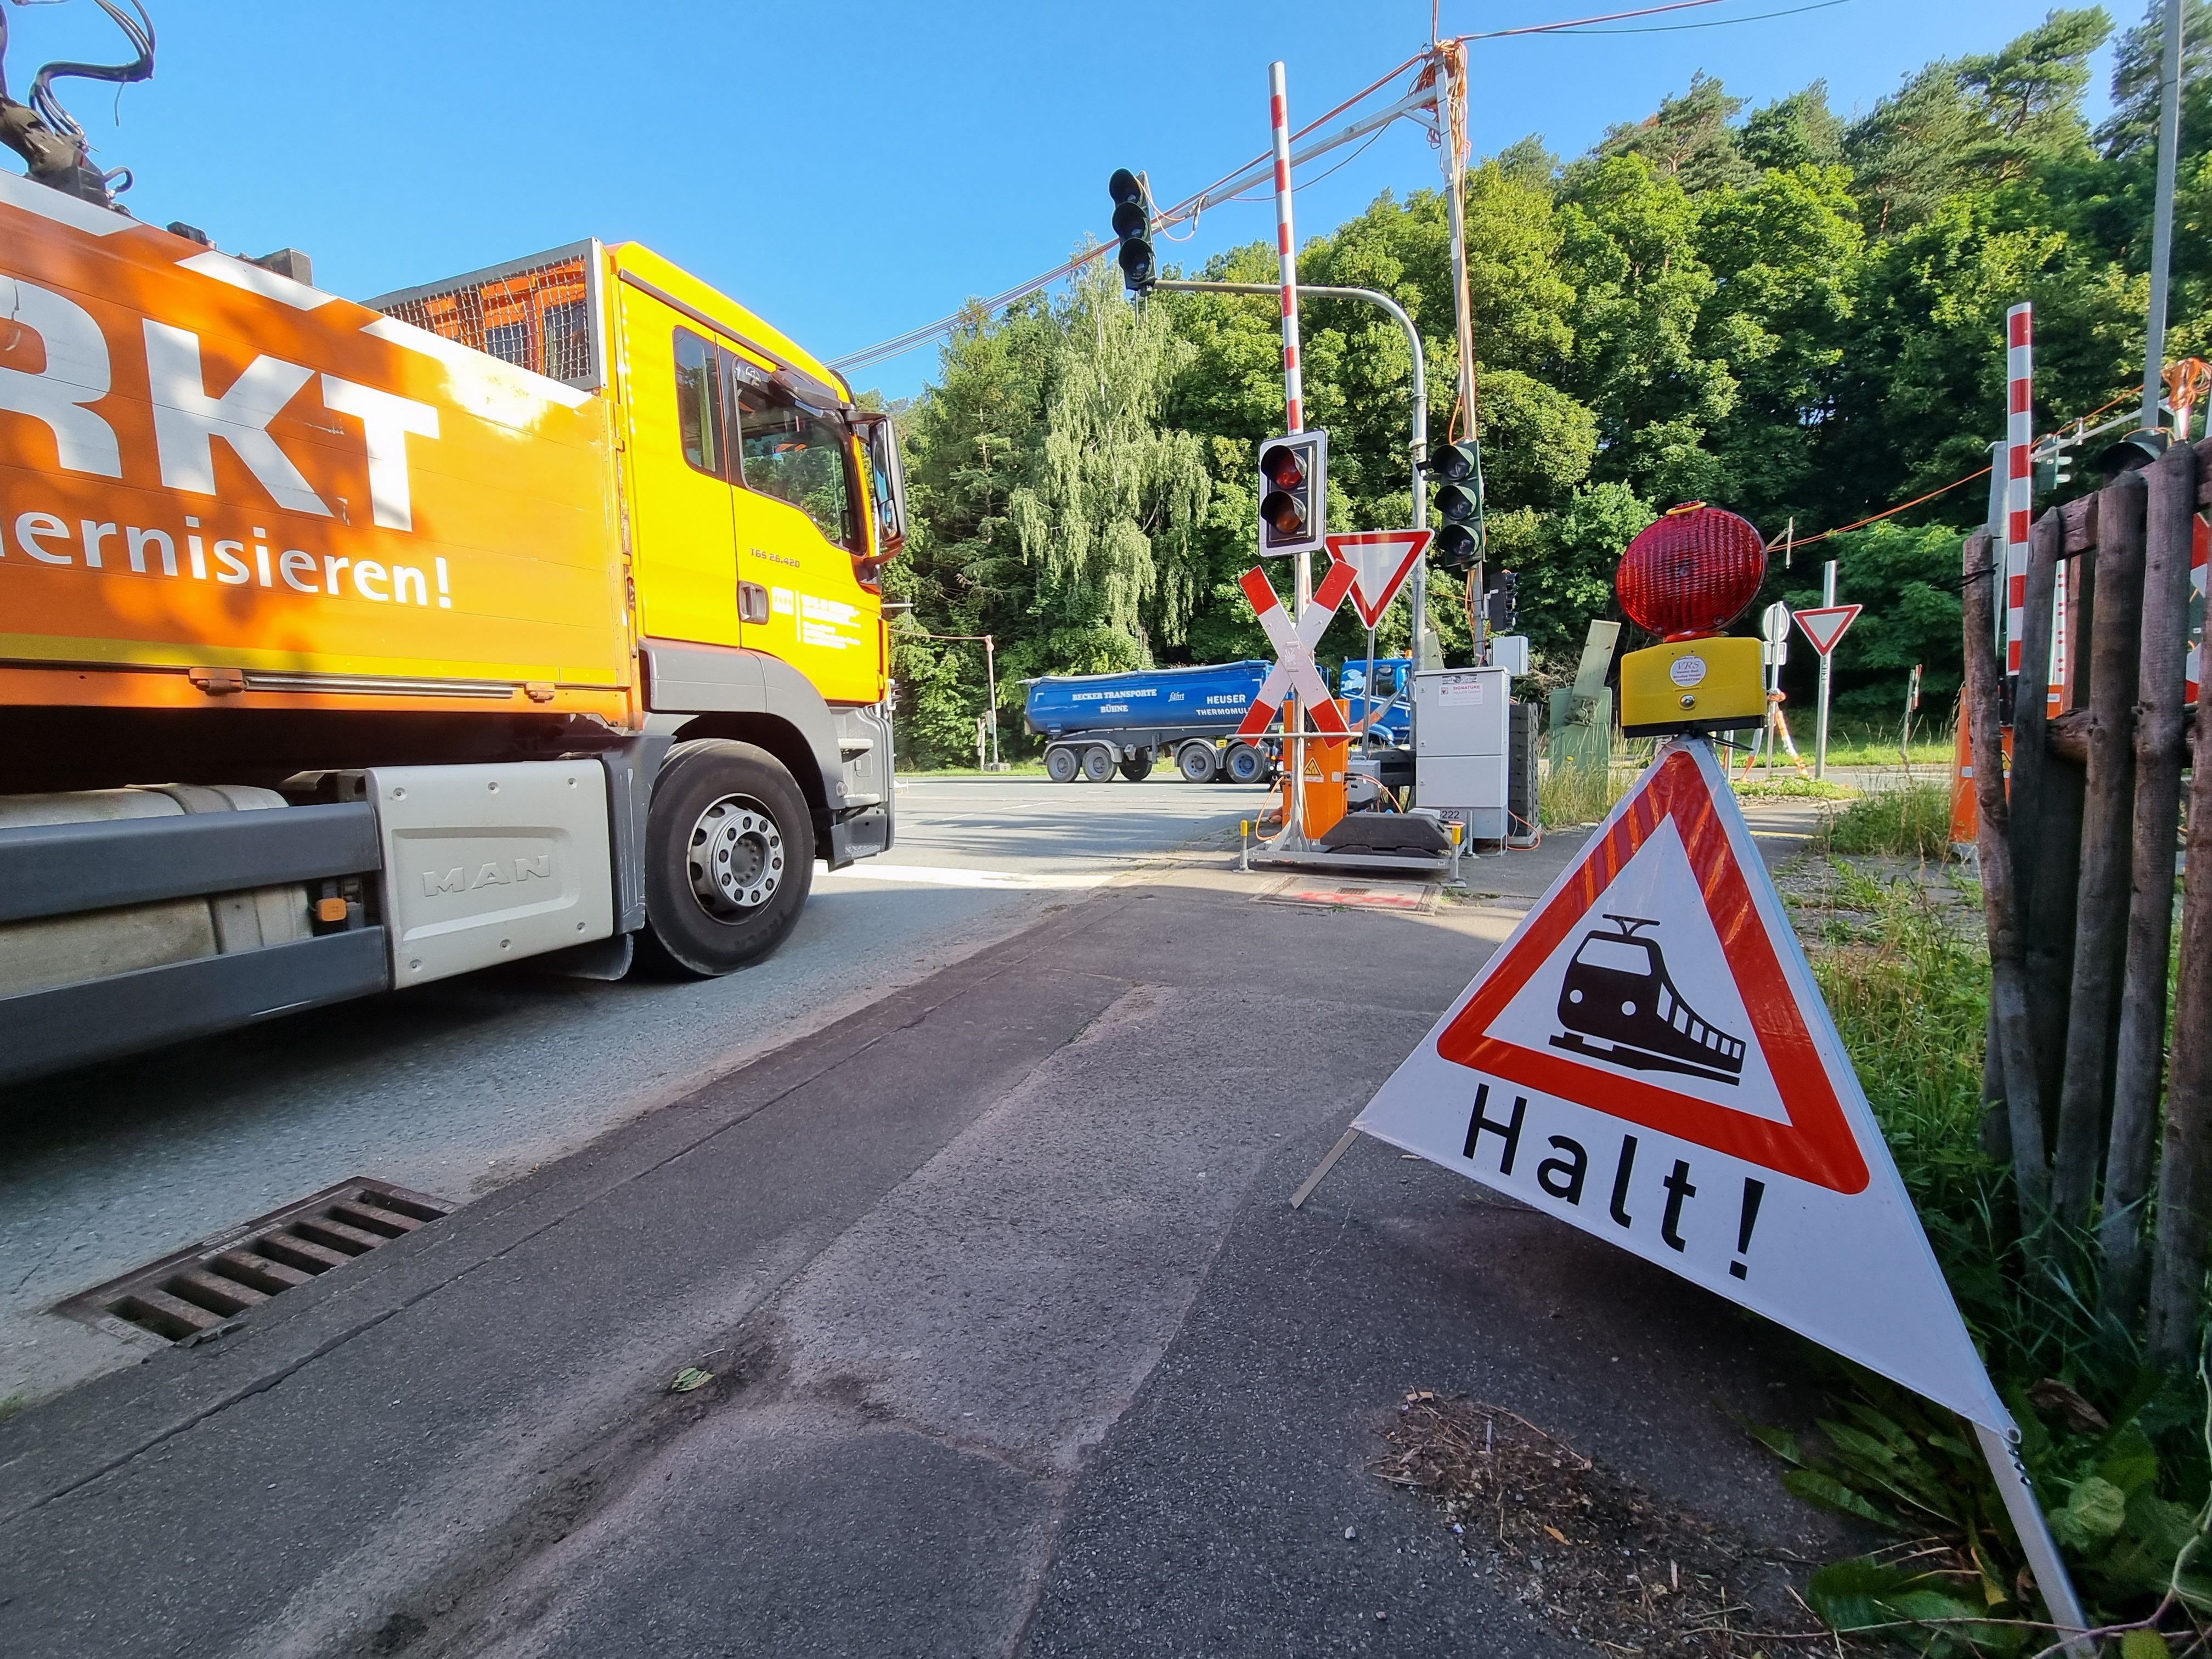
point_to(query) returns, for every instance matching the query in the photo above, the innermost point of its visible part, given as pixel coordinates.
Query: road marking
(1006, 880)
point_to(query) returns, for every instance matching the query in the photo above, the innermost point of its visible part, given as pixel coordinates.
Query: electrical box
(1509, 652)
(1522, 827)
(1462, 718)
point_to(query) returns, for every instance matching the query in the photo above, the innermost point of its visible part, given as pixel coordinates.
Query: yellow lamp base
(1698, 686)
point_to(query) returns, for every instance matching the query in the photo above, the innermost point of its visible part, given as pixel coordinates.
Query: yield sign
(1294, 643)
(1381, 560)
(1648, 1059)
(1825, 624)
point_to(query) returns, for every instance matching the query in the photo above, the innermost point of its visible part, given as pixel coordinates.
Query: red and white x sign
(1294, 643)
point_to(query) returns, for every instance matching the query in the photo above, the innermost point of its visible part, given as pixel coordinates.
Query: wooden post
(2101, 914)
(2008, 989)
(2046, 808)
(2140, 1052)
(2184, 1173)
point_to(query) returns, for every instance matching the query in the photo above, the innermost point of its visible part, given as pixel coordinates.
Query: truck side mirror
(887, 480)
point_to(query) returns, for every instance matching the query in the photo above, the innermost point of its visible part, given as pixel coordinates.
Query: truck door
(799, 529)
(683, 463)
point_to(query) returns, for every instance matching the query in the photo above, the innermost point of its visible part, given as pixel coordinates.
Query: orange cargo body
(217, 480)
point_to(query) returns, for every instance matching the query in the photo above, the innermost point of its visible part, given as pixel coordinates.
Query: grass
(1791, 787)
(1913, 821)
(1868, 746)
(2118, 1456)
(1569, 795)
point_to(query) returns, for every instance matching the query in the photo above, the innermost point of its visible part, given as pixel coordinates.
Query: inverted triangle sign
(1825, 624)
(1381, 560)
(1648, 1059)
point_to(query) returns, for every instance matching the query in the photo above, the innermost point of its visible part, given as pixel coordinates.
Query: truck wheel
(1061, 764)
(1138, 767)
(1098, 764)
(1198, 762)
(729, 857)
(1247, 764)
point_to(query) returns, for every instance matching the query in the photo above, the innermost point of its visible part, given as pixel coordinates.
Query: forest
(1776, 309)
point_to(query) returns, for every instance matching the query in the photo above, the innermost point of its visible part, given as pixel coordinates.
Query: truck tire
(729, 858)
(1098, 764)
(1247, 764)
(1199, 763)
(1061, 764)
(1138, 767)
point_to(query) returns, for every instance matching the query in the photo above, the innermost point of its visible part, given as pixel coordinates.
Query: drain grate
(216, 1280)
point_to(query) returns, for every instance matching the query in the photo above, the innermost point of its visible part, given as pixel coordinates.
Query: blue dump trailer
(1396, 724)
(1093, 724)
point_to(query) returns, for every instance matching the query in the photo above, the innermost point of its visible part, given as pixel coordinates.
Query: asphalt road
(457, 1088)
(1015, 1349)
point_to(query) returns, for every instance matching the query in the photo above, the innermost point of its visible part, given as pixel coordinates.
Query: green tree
(1629, 242)
(1689, 139)
(1110, 511)
(1800, 131)
(971, 440)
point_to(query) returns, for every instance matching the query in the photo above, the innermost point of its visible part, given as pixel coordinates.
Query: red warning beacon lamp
(1692, 573)
(1685, 579)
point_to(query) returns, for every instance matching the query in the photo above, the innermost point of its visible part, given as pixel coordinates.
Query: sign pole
(991, 689)
(1820, 736)
(1369, 710)
(1294, 404)
(2002, 1452)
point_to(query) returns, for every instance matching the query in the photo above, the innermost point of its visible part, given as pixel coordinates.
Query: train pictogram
(1619, 1005)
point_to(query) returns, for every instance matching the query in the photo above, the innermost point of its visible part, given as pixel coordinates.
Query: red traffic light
(1281, 466)
(1692, 573)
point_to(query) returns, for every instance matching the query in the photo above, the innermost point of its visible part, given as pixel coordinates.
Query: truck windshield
(797, 456)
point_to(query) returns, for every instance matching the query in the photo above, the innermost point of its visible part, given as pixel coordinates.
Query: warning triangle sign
(1647, 1058)
(1825, 624)
(1381, 560)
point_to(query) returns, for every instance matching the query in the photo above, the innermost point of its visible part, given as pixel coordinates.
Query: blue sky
(850, 172)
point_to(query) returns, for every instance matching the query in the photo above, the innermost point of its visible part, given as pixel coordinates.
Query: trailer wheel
(1061, 764)
(1199, 763)
(1098, 764)
(729, 858)
(1138, 767)
(1247, 764)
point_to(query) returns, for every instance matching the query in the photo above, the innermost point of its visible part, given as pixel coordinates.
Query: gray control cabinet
(1461, 724)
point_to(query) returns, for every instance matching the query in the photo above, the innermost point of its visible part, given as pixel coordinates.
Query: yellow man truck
(345, 646)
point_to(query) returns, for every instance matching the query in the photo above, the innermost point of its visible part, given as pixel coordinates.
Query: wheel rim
(735, 857)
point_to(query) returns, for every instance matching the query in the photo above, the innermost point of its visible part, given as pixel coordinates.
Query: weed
(1913, 820)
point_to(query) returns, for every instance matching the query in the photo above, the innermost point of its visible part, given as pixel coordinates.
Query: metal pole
(991, 681)
(2002, 1453)
(1294, 406)
(2161, 221)
(1828, 662)
(1367, 712)
(2020, 479)
(1418, 583)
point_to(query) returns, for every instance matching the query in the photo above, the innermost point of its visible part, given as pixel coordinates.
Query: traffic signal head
(1460, 546)
(1457, 469)
(1502, 603)
(1133, 227)
(1293, 492)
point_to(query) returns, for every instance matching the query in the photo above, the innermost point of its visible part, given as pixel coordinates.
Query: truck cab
(534, 611)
